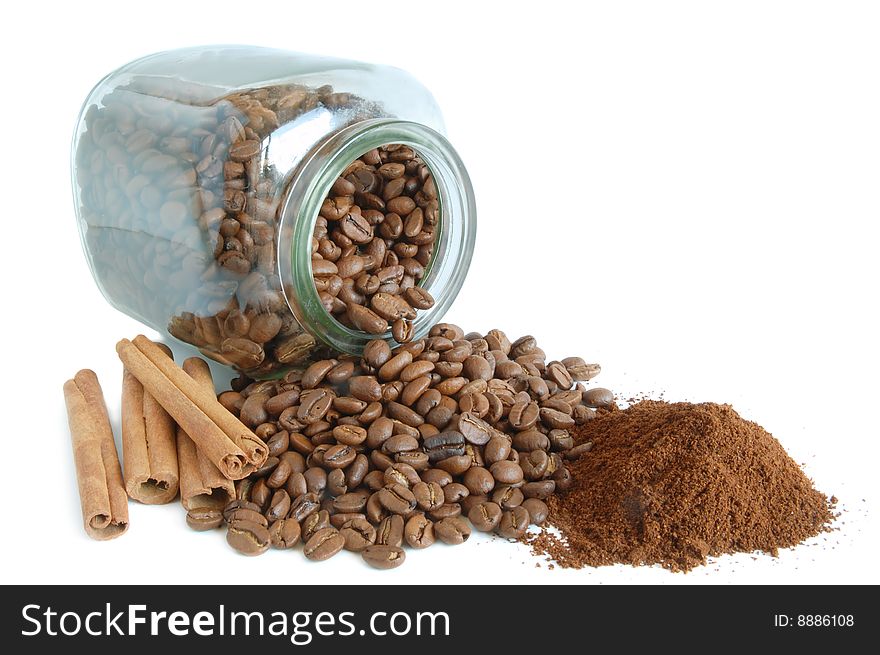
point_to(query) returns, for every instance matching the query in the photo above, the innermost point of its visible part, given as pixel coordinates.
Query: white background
(686, 192)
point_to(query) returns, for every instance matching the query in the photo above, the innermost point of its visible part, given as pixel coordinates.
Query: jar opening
(453, 230)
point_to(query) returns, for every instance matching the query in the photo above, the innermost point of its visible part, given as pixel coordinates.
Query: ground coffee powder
(672, 483)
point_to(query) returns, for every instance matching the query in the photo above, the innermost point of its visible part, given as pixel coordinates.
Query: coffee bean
(366, 319)
(537, 510)
(429, 495)
(324, 544)
(248, 538)
(339, 456)
(598, 397)
(419, 531)
(452, 531)
(390, 531)
(541, 489)
(384, 557)
(303, 506)
(455, 492)
(506, 472)
(201, 519)
(479, 480)
(474, 430)
(485, 516)
(279, 506)
(358, 534)
(249, 515)
(350, 502)
(513, 523)
(507, 497)
(397, 499)
(446, 510)
(284, 534)
(579, 450)
(313, 523)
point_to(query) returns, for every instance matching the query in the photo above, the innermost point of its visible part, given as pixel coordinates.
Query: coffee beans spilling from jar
(373, 239)
(409, 446)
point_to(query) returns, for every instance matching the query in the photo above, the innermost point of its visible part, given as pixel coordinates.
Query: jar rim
(309, 186)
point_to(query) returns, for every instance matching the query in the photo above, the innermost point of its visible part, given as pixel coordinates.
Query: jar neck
(310, 184)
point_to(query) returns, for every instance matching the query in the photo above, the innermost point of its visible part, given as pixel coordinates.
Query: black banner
(511, 619)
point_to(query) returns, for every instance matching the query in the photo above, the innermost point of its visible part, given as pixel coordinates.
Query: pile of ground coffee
(672, 483)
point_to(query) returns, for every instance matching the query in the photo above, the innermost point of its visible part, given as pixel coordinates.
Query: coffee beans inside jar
(408, 447)
(374, 239)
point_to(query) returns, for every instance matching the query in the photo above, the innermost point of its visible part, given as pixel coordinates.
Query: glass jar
(198, 178)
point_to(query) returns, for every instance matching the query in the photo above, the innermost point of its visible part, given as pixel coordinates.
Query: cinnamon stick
(149, 450)
(202, 485)
(218, 446)
(99, 478)
(206, 400)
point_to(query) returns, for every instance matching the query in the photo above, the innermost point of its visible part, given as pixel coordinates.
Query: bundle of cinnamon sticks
(176, 437)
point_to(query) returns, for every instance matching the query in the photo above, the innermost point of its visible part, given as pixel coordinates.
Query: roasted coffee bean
(201, 519)
(279, 506)
(479, 481)
(537, 510)
(339, 456)
(415, 458)
(467, 504)
(397, 499)
(237, 504)
(455, 492)
(358, 534)
(316, 480)
(389, 532)
(324, 544)
(541, 489)
(497, 448)
(534, 464)
(350, 503)
(399, 443)
(384, 557)
(443, 445)
(365, 387)
(438, 476)
(419, 531)
(402, 474)
(376, 353)
(579, 370)
(303, 506)
(429, 496)
(356, 471)
(284, 534)
(485, 516)
(506, 472)
(577, 451)
(598, 397)
(446, 510)
(507, 497)
(349, 435)
(336, 485)
(419, 298)
(248, 538)
(475, 430)
(513, 523)
(452, 531)
(531, 440)
(313, 523)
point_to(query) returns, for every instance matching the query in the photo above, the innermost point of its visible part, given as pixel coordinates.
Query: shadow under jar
(199, 178)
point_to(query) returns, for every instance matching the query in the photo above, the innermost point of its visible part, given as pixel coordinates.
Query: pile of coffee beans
(373, 239)
(399, 446)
